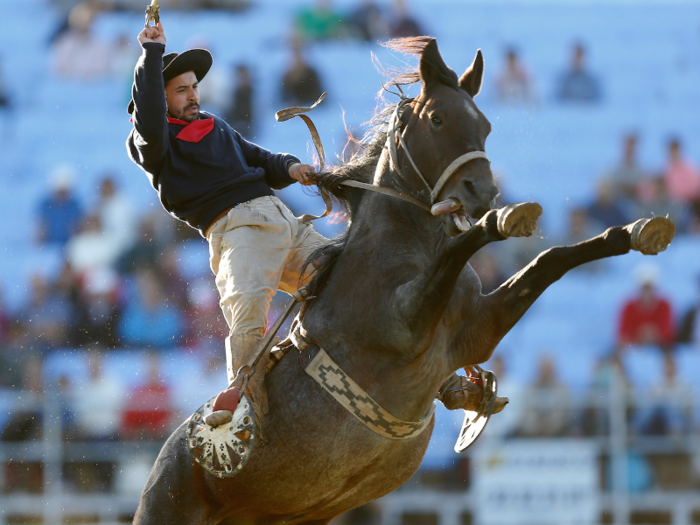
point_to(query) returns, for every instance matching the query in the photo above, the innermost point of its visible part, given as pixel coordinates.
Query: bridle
(393, 132)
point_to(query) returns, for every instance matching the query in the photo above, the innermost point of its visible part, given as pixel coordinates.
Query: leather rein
(393, 132)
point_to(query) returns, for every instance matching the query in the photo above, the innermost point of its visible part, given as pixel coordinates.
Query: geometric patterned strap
(349, 394)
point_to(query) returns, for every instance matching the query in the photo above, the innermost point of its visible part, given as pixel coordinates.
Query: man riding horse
(220, 184)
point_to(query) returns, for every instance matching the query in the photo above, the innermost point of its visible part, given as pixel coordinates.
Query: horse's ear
(432, 67)
(471, 80)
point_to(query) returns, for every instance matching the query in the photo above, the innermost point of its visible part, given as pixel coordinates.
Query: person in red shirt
(149, 410)
(648, 318)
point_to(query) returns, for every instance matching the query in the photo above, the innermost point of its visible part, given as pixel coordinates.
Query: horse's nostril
(469, 187)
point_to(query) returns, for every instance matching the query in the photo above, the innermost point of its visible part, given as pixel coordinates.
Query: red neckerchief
(193, 131)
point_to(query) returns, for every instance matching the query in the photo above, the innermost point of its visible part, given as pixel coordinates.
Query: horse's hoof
(218, 418)
(651, 236)
(518, 220)
(501, 403)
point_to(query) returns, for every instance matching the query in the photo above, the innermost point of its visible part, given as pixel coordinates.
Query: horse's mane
(363, 163)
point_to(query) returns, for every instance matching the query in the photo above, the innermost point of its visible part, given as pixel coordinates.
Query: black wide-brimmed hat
(196, 60)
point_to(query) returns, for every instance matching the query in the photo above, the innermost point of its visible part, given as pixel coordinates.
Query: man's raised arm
(148, 93)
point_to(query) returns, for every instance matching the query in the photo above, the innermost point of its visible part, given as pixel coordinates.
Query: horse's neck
(390, 240)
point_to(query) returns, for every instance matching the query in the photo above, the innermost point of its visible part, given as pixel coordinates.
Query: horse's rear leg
(512, 299)
(174, 491)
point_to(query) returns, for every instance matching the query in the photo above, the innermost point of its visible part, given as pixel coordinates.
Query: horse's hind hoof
(651, 236)
(518, 220)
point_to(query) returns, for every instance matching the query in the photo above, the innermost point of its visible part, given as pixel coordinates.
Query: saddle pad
(356, 401)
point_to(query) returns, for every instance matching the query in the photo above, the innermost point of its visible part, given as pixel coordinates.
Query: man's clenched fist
(304, 173)
(152, 34)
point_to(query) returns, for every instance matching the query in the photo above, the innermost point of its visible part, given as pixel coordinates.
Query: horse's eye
(436, 120)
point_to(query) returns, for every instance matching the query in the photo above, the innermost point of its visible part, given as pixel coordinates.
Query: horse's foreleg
(422, 301)
(506, 305)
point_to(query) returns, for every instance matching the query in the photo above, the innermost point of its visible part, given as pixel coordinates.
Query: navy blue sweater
(196, 181)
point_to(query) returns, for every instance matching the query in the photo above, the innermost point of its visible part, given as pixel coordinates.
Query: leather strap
(454, 166)
(298, 111)
(359, 403)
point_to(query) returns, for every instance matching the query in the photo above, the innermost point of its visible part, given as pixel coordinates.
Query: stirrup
(475, 420)
(223, 450)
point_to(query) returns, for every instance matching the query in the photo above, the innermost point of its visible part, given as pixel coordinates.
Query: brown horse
(396, 306)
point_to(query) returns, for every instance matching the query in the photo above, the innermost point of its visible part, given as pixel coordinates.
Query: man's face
(182, 97)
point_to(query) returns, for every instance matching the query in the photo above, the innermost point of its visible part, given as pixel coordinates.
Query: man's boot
(458, 392)
(240, 348)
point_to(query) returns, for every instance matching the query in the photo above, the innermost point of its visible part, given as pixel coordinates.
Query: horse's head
(445, 134)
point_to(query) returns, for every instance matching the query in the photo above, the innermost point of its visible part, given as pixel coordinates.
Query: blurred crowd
(122, 286)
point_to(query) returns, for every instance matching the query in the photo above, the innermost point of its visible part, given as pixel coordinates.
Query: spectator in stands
(48, 316)
(368, 21)
(608, 370)
(320, 22)
(97, 310)
(682, 178)
(171, 278)
(76, 53)
(513, 84)
(149, 410)
(689, 332)
(657, 202)
(628, 175)
(668, 408)
(13, 352)
(578, 84)
(60, 213)
(145, 252)
(206, 325)
(580, 228)
(147, 320)
(301, 84)
(648, 318)
(91, 248)
(547, 405)
(607, 210)
(99, 403)
(403, 24)
(117, 216)
(514, 255)
(123, 56)
(241, 112)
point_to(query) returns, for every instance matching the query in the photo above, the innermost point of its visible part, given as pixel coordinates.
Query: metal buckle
(475, 421)
(222, 451)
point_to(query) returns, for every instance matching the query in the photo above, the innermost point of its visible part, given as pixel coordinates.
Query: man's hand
(152, 34)
(303, 173)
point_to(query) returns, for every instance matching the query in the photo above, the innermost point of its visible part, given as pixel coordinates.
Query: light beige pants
(256, 249)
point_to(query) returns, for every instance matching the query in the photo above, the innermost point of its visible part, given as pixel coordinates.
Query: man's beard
(189, 117)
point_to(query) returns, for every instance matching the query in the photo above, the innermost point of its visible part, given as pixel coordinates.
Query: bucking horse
(394, 310)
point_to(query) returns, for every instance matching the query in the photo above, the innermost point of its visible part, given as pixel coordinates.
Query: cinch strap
(345, 391)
